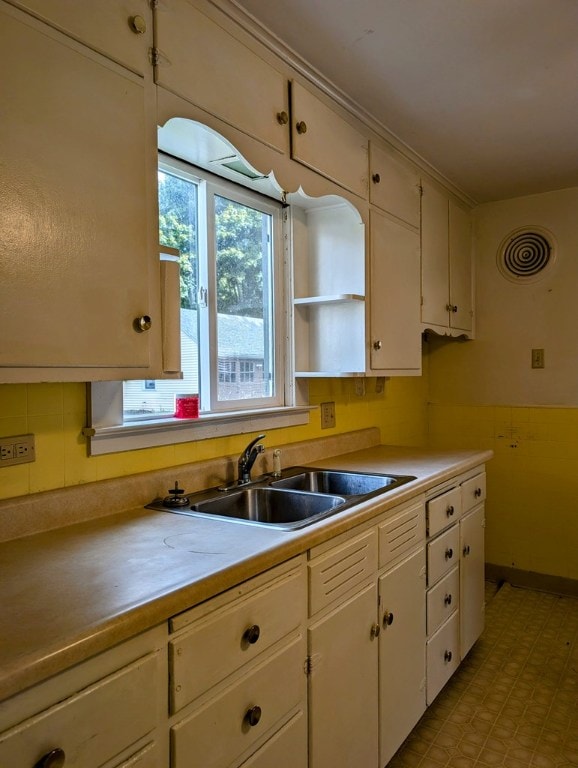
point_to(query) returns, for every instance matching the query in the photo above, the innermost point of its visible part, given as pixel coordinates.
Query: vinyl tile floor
(513, 702)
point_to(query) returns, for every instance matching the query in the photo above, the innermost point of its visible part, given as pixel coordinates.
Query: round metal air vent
(526, 254)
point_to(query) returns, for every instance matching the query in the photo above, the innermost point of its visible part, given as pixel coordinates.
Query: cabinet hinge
(157, 58)
(420, 188)
(311, 663)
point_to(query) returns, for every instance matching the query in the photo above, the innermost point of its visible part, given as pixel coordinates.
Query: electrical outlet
(327, 415)
(537, 358)
(16, 450)
(6, 452)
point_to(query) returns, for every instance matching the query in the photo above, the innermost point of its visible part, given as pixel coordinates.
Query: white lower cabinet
(106, 712)
(401, 652)
(343, 684)
(367, 642)
(455, 563)
(472, 593)
(328, 659)
(238, 688)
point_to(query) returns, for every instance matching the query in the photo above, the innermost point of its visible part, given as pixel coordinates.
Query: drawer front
(334, 574)
(401, 534)
(442, 554)
(443, 600)
(443, 656)
(443, 511)
(473, 491)
(286, 749)
(148, 757)
(94, 725)
(219, 732)
(221, 642)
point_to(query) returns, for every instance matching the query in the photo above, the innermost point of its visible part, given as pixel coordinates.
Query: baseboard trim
(558, 585)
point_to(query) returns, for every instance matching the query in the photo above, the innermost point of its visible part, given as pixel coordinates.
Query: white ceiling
(484, 90)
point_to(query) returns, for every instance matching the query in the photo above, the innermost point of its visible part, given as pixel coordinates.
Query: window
(232, 322)
(236, 347)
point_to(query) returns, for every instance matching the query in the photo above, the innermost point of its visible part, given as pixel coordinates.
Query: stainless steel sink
(302, 496)
(271, 506)
(343, 483)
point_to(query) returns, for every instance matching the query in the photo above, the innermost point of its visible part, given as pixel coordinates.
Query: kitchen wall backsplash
(56, 414)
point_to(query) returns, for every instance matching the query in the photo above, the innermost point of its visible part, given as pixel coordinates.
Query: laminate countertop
(69, 593)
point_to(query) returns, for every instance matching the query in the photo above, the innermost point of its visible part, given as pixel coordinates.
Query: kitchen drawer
(95, 724)
(287, 748)
(443, 599)
(333, 574)
(473, 491)
(401, 534)
(443, 656)
(443, 511)
(442, 554)
(234, 633)
(218, 733)
(148, 757)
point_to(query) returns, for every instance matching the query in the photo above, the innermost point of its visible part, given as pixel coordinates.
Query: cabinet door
(395, 296)
(460, 253)
(394, 186)
(343, 685)
(285, 749)
(200, 61)
(326, 142)
(120, 29)
(401, 652)
(76, 242)
(472, 598)
(434, 256)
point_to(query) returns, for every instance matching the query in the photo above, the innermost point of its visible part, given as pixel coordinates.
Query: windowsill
(157, 432)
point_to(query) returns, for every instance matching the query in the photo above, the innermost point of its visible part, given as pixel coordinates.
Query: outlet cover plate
(17, 449)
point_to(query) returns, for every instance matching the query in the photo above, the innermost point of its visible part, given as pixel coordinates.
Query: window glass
(230, 308)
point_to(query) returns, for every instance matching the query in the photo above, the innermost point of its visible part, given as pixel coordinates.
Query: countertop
(72, 592)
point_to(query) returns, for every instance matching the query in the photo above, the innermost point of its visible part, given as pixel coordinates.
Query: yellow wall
(56, 414)
(484, 393)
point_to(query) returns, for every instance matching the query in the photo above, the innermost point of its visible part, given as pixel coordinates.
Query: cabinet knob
(142, 323)
(138, 25)
(452, 307)
(53, 759)
(251, 634)
(450, 511)
(376, 178)
(282, 118)
(447, 657)
(253, 715)
(377, 345)
(467, 550)
(387, 619)
(449, 553)
(375, 630)
(478, 493)
(448, 599)
(301, 127)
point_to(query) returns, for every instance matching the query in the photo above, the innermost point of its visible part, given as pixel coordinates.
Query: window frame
(109, 432)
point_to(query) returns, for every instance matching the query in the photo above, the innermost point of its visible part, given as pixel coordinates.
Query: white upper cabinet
(199, 60)
(120, 29)
(327, 143)
(395, 344)
(77, 244)
(394, 185)
(446, 258)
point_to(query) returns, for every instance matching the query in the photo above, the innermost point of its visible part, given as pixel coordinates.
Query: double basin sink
(300, 497)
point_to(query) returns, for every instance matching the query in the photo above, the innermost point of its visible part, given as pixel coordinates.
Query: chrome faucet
(247, 459)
